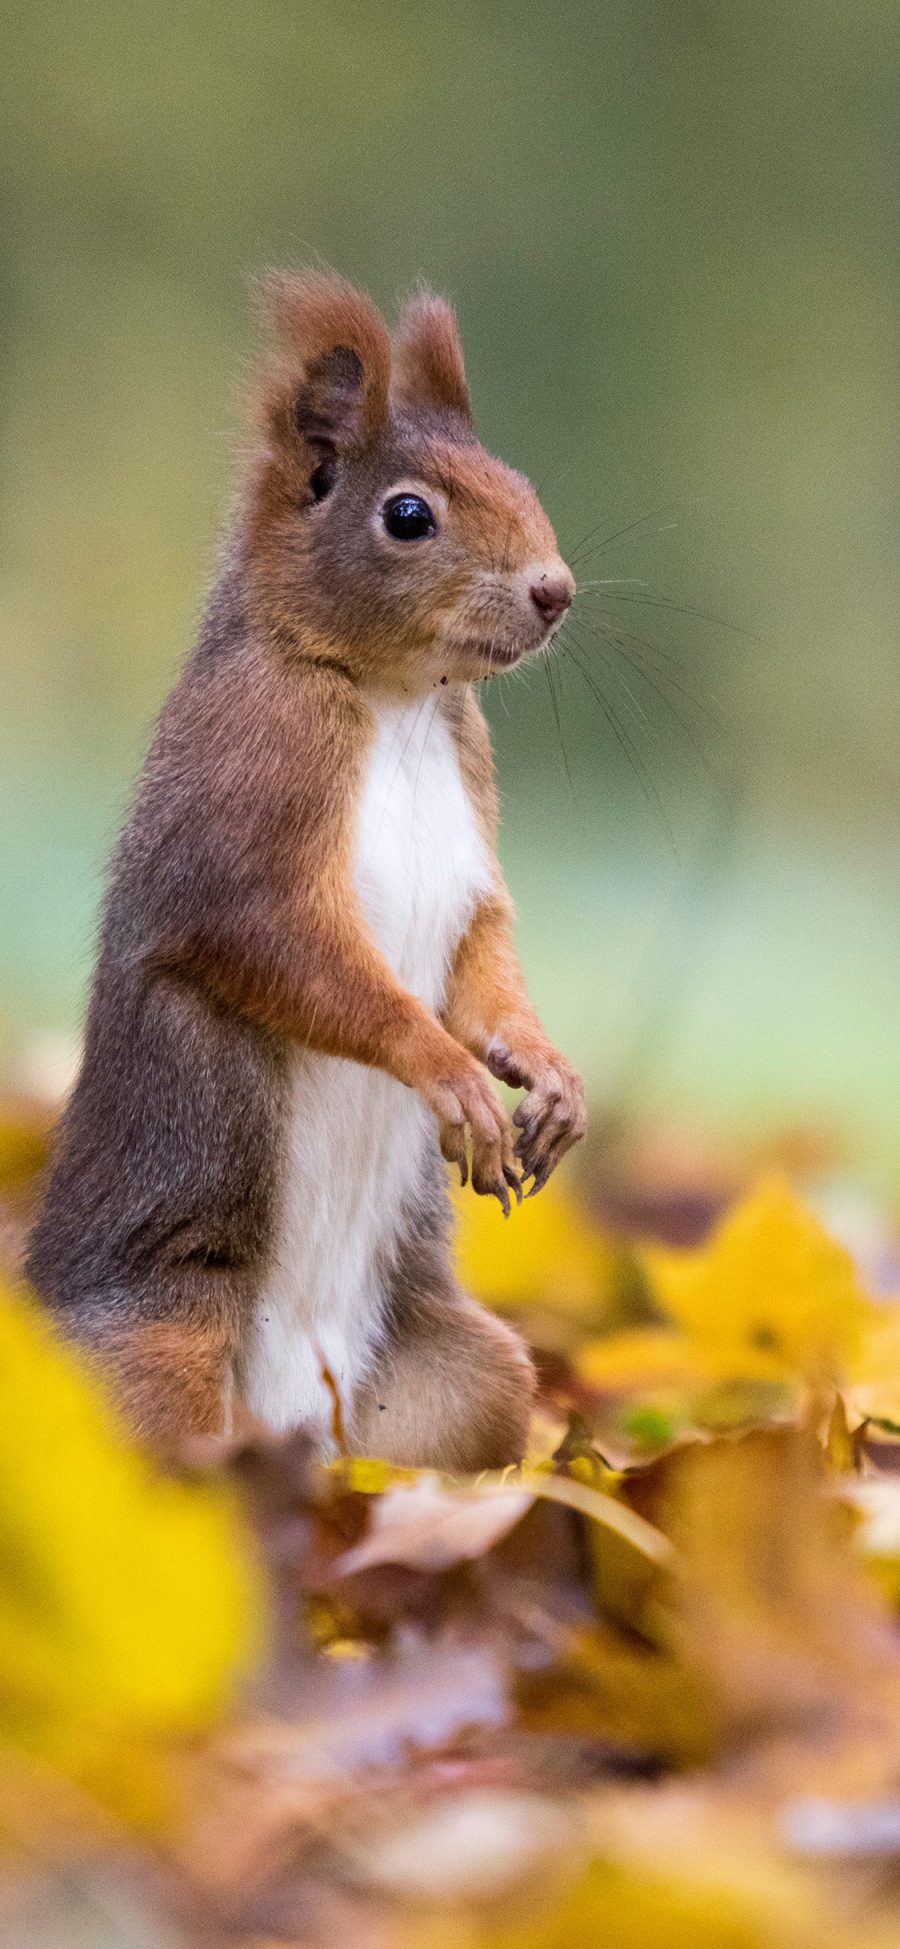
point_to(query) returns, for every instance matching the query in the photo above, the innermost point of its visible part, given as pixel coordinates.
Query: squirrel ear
(325, 392)
(428, 368)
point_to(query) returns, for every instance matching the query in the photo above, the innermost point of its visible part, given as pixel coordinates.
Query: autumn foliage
(644, 1691)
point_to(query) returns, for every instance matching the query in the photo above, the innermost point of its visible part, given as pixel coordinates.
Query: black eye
(408, 518)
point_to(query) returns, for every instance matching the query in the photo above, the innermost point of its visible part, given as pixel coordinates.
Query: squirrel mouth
(500, 656)
(496, 655)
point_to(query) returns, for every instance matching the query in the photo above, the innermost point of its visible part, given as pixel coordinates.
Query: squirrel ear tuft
(428, 368)
(326, 388)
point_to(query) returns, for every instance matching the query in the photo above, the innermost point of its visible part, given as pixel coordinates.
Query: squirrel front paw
(471, 1117)
(550, 1118)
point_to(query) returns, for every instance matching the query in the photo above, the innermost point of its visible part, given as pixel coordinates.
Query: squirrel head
(379, 533)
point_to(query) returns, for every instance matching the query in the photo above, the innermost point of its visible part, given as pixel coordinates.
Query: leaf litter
(645, 1690)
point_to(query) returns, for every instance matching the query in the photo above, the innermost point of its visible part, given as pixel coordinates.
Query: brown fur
(453, 1391)
(232, 928)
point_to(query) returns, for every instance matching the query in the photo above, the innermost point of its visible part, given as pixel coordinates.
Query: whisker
(428, 730)
(459, 727)
(626, 744)
(621, 651)
(681, 609)
(556, 712)
(497, 688)
(638, 708)
(651, 656)
(556, 468)
(638, 713)
(580, 552)
(611, 582)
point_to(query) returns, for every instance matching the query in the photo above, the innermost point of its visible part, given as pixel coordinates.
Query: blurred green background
(671, 232)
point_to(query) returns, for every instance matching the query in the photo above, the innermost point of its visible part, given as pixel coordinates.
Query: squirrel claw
(540, 1179)
(514, 1181)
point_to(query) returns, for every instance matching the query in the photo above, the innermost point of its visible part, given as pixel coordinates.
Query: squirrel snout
(551, 591)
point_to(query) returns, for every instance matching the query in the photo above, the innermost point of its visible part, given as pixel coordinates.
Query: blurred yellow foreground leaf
(128, 1602)
(624, 1908)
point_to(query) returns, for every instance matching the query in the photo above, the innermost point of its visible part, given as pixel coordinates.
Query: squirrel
(306, 975)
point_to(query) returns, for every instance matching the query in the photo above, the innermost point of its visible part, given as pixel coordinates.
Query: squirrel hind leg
(452, 1389)
(170, 1378)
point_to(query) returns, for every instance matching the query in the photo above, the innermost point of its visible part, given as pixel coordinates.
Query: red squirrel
(306, 975)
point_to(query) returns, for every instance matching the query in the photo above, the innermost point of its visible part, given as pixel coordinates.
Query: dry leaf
(429, 1526)
(128, 1601)
(770, 1281)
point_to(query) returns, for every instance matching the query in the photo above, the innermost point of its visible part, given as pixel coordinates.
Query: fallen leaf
(357, 1716)
(770, 1281)
(552, 1256)
(470, 1846)
(428, 1526)
(129, 1604)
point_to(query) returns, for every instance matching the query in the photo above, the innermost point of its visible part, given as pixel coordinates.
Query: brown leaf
(772, 1606)
(429, 1526)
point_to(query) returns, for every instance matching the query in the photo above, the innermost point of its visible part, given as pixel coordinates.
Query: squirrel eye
(408, 518)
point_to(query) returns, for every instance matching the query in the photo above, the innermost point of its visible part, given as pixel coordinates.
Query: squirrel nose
(551, 592)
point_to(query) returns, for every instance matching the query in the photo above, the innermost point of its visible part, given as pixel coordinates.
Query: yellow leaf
(874, 1393)
(631, 1907)
(128, 1601)
(661, 1359)
(615, 1905)
(367, 1475)
(772, 1280)
(547, 1253)
(657, 1387)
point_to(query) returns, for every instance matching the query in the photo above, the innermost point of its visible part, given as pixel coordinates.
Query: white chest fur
(355, 1137)
(420, 861)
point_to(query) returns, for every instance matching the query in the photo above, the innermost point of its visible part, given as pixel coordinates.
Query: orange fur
(170, 1378)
